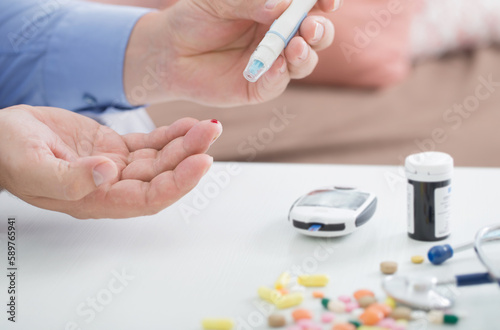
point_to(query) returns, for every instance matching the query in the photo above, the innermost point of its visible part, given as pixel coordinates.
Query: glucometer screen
(340, 199)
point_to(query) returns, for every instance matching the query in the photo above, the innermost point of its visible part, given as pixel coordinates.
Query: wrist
(147, 61)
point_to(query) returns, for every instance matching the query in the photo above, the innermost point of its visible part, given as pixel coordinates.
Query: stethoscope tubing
(473, 279)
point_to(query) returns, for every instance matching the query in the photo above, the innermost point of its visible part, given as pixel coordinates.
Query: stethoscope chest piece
(420, 293)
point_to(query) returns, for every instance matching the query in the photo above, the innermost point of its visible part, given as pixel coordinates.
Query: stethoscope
(433, 293)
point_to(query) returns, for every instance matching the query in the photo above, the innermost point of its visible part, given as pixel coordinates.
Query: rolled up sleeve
(86, 54)
(74, 60)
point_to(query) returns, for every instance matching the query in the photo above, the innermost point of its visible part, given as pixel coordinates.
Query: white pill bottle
(429, 195)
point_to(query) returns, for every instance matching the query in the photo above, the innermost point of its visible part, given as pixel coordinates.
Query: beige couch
(446, 104)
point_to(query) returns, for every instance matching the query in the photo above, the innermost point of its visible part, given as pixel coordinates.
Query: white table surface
(181, 270)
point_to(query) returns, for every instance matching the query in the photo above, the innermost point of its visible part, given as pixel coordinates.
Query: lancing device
(277, 38)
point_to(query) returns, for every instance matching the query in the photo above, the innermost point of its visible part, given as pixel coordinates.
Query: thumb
(63, 180)
(261, 11)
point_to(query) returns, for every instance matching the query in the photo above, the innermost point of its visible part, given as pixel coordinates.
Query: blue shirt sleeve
(64, 53)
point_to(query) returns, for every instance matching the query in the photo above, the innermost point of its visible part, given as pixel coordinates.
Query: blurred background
(401, 77)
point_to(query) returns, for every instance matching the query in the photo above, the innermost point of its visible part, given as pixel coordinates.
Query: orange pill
(300, 314)
(361, 293)
(318, 294)
(344, 326)
(371, 316)
(385, 309)
(283, 291)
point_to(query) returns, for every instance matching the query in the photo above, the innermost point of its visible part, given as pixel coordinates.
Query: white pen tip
(254, 70)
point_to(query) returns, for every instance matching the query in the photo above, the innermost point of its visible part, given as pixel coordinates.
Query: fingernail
(207, 169)
(103, 172)
(215, 138)
(318, 32)
(337, 4)
(271, 4)
(305, 52)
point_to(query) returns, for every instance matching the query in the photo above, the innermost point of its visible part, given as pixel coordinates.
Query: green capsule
(355, 323)
(450, 319)
(325, 302)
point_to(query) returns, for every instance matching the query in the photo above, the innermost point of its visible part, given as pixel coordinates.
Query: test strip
(315, 227)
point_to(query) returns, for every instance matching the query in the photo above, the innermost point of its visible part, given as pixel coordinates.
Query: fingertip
(298, 51)
(305, 50)
(301, 65)
(337, 4)
(210, 162)
(330, 5)
(104, 172)
(317, 31)
(202, 136)
(328, 36)
(215, 121)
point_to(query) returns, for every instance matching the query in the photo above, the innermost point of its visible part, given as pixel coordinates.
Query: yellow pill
(282, 281)
(313, 280)
(217, 324)
(269, 294)
(290, 300)
(417, 259)
(390, 302)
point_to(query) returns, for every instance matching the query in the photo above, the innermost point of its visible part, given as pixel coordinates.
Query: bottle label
(442, 214)
(411, 214)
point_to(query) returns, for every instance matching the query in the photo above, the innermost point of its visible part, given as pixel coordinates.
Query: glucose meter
(332, 211)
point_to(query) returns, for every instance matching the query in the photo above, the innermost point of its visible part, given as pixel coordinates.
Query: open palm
(62, 161)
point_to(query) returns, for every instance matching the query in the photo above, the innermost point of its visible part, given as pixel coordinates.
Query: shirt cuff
(86, 54)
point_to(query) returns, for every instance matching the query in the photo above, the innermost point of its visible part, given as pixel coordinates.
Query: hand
(58, 160)
(197, 50)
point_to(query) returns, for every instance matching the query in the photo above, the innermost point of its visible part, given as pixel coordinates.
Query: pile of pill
(361, 310)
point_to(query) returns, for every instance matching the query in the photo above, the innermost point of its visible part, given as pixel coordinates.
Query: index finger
(160, 137)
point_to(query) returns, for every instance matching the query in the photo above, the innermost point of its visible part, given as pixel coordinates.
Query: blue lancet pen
(277, 38)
